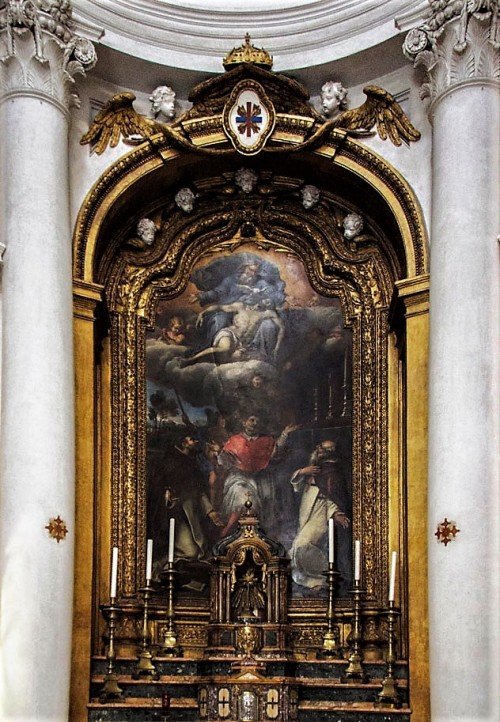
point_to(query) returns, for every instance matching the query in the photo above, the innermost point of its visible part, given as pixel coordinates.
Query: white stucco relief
(39, 50)
(459, 42)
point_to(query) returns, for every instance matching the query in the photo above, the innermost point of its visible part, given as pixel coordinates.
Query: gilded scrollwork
(272, 216)
(361, 280)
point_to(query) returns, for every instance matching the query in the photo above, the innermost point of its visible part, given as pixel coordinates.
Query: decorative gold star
(57, 528)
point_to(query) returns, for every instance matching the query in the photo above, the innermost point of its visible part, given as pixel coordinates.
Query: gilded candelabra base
(111, 690)
(331, 648)
(145, 667)
(388, 695)
(354, 673)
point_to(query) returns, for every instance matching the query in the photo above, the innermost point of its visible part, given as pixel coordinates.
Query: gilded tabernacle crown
(248, 53)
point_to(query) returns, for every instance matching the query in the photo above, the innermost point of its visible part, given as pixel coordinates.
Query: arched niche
(379, 279)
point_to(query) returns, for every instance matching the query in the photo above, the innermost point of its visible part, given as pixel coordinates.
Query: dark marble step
(138, 711)
(317, 691)
(199, 668)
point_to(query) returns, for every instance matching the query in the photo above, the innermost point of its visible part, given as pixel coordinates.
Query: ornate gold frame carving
(363, 276)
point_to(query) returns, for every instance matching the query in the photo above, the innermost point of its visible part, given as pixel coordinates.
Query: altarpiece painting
(249, 396)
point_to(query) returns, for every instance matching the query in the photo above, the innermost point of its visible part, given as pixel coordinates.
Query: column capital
(460, 42)
(40, 54)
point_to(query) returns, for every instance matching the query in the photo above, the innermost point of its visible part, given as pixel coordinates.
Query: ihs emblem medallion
(248, 117)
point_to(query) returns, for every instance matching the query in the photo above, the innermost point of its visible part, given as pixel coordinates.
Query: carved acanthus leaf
(460, 41)
(444, 65)
(40, 51)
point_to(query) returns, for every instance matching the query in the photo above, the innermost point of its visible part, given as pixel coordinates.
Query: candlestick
(169, 647)
(331, 638)
(171, 540)
(357, 560)
(331, 550)
(392, 581)
(145, 666)
(355, 672)
(111, 690)
(114, 572)
(388, 695)
(149, 560)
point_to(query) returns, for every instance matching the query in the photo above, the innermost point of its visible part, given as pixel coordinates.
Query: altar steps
(322, 695)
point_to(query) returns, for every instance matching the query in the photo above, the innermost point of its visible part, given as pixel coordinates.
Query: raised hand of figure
(215, 518)
(342, 519)
(311, 470)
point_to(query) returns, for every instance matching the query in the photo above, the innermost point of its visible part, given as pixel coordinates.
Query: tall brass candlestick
(145, 666)
(388, 695)
(331, 647)
(355, 672)
(111, 689)
(170, 648)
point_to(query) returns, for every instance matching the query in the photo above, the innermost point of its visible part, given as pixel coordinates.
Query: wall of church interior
(262, 483)
(238, 312)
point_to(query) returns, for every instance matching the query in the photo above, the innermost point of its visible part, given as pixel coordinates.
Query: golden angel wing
(381, 110)
(118, 118)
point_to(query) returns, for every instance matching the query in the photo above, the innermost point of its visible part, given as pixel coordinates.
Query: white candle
(114, 572)
(357, 560)
(171, 537)
(392, 580)
(330, 541)
(149, 560)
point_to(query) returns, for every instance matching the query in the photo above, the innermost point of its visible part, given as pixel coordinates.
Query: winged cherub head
(353, 225)
(185, 199)
(333, 99)
(310, 196)
(146, 231)
(163, 102)
(246, 178)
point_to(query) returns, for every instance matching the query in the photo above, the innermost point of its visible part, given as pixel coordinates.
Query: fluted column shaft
(463, 438)
(37, 466)
(37, 421)
(464, 365)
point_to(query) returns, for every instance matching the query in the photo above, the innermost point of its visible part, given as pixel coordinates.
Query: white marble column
(37, 422)
(461, 59)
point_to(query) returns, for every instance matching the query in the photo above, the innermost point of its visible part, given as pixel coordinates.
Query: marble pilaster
(458, 50)
(39, 57)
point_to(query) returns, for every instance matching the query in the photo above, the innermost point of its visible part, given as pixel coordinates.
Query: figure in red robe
(248, 455)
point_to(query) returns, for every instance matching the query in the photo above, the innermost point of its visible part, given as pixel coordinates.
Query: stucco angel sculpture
(118, 119)
(380, 110)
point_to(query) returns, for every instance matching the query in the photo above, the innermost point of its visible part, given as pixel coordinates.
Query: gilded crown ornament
(248, 53)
